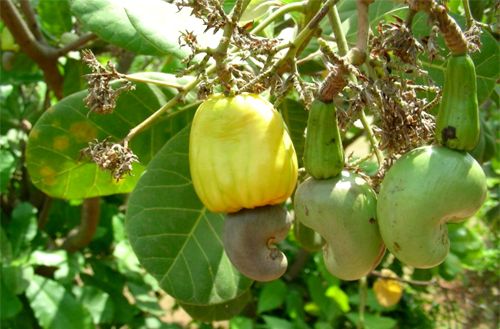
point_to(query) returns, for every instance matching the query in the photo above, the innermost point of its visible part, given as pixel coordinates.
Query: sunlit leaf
(54, 307)
(55, 141)
(271, 296)
(162, 23)
(217, 312)
(177, 240)
(55, 16)
(107, 19)
(22, 228)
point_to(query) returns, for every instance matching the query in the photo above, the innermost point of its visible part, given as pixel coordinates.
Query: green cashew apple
(249, 237)
(425, 189)
(343, 209)
(240, 154)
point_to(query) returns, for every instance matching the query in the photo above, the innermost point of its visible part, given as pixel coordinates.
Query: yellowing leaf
(388, 292)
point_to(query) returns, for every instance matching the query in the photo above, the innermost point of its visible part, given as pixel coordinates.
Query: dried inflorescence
(102, 97)
(473, 36)
(397, 38)
(110, 157)
(432, 49)
(404, 122)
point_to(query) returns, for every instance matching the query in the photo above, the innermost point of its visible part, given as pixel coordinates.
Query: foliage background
(50, 278)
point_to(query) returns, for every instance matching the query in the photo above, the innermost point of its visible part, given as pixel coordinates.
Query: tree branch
(29, 14)
(81, 235)
(77, 44)
(45, 56)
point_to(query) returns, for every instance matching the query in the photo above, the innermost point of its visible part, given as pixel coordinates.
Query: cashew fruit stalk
(424, 190)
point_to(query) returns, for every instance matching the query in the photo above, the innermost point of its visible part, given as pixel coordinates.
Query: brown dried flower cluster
(110, 157)
(473, 36)
(397, 38)
(405, 124)
(102, 97)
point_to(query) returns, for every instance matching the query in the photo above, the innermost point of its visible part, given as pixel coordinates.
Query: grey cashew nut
(249, 238)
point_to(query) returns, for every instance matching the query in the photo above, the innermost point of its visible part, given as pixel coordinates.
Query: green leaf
(10, 305)
(373, 321)
(108, 282)
(317, 290)
(55, 16)
(177, 240)
(294, 303)
(241, 322)
(74, 70)
(118, 223)
(17, 277)
(463, 241)
(295, 117)
(144, 300)
(56, 308)
(96, 301)
(7, 168)
(107, 19)
(340, 297)
(161, 23)
(56, 140)
(274, 322)
(451, 266)
(48, 258)
(23, 227)
(271, 296)
(125, 256)
(5, 247)
(217, 312)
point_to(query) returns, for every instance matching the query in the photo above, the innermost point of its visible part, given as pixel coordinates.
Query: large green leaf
(55, 141)
(55, 16)
(162, 23)
(218, 312)
(10, 305)
(23, 228)
(56, 308)
(107, 19)
(177, 240)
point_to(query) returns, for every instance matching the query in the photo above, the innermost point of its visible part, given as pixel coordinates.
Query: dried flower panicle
(111, 157)
(102, 97)
(404, 122)
(473, 36)
(397, 38)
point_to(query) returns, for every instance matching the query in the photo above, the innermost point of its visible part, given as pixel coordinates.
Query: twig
(363, 293)
(296, 6)
(45, 56)
(81, 235)
(77, 44)
(29, 14)
(343, 50)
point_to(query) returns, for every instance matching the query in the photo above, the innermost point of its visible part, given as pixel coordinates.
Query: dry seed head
(111, 157)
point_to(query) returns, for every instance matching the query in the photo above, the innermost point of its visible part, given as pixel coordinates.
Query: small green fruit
(343, 209)
(425, 189)
(323, 152)
(457, 122)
